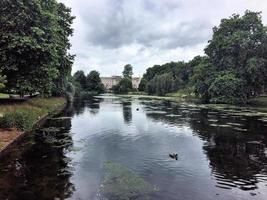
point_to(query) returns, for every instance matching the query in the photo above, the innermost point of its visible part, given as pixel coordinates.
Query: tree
(124, 86)
(80, 78)
(161, 84)
(34, 39)
(239, 45)
(227, 88)
(93, 82)
(128, 71)
(203, 76)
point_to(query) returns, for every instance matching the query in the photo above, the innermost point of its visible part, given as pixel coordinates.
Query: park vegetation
(233, 70)
(125, 85)
(34, 44)
(23, 116)
(87, 85)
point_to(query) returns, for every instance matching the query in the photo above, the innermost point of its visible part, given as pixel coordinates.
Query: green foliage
(23, 116)
(161, 84)
(93, 82)
(239, 45)
(121, 183)
(87, 85)
(234, 70)
(21, 120)
(228, 88)
(80, 78)
(34, 39)
(2, 80)
(203, 76)
(128, 71)
(125, 85)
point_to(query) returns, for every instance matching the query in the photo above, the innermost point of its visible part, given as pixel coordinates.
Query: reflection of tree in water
(79, 105)
(236, 156)
(127, 111)
(41, 170)
(235, 145)
(94, 105)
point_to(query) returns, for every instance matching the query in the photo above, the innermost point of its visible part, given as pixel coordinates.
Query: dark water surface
(117, 148)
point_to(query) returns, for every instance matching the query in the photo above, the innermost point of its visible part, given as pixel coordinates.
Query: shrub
(22, 120)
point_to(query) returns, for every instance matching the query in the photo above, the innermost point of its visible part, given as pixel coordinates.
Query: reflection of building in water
(109, 82)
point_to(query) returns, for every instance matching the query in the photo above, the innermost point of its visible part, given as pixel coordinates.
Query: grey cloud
(122, 22)
(111, 33)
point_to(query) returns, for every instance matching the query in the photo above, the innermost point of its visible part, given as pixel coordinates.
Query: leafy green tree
(203, 76)
(93, 82)
(128, 71)
(239, 45)
(227, 88)
(125, 85)
(161, 84)
(80, 78)
(34, 39)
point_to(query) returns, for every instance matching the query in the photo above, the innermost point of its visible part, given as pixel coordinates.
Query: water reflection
(221, 153)
(234, 145)
(38, 168)
(127, 111)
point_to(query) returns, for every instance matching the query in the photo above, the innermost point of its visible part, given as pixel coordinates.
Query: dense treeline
(34, 43)
(233, 69)
(87, 85)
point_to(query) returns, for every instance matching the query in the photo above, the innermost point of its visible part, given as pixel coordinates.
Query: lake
(117, 148)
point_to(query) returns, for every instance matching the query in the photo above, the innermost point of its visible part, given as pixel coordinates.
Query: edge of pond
(6, 149)
(257, 110)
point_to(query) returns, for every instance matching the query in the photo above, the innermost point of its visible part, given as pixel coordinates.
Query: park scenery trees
(125, 85)
(34, 43)
(87, 85)
(233, 70)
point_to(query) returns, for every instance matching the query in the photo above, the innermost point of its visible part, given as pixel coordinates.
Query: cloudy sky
(111, 33)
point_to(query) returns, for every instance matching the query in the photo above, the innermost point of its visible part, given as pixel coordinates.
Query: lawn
(23, 115)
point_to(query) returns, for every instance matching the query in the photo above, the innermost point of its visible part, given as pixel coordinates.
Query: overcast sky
(111, 33)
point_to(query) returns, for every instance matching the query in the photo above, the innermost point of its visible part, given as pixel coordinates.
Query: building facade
(109, 82)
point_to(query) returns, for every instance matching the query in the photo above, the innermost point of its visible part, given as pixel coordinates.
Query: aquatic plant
(120, 183)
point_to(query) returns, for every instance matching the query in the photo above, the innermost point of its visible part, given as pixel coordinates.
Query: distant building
(109, 82)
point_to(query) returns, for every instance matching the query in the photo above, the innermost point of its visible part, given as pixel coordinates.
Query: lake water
(118, 148)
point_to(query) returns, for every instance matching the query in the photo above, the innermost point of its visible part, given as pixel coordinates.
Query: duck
(174, 156)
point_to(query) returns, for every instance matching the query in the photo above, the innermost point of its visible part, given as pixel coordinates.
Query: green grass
(2, 96)
(24, 115)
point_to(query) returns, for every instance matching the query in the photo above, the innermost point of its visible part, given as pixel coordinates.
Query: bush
(22, 120)
(227, 88)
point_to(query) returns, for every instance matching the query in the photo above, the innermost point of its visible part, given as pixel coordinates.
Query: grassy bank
(2, 95)
(23, 116)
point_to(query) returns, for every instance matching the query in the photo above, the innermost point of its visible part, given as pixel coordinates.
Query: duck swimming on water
(174, 156)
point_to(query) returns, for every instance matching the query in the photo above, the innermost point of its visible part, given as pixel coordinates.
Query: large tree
(80, 78)
(128, 71)
(93, 82)
(239, 45)
(34, 43)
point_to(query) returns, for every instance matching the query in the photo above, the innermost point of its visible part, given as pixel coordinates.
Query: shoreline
(17, 135)
(255, 109)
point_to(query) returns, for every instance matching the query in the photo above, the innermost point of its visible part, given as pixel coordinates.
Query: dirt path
(7, 136)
